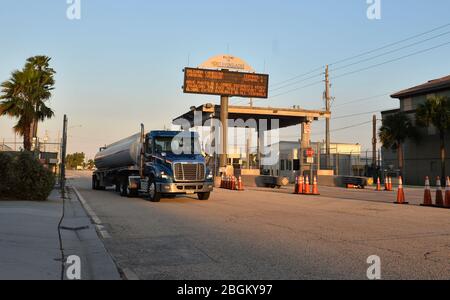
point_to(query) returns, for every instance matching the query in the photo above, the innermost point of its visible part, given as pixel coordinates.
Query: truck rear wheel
(153, 193)
(94, 182)
(203, 196)
(124, 188)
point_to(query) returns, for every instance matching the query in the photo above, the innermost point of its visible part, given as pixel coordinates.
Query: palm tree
(24, 96)
(396, 129)
(436, 112)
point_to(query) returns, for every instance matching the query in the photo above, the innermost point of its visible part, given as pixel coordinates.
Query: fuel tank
(124, 153)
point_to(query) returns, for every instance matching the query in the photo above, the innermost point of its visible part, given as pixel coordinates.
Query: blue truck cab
(175, 165)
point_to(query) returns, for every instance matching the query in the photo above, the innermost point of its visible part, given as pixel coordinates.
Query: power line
(362, 99)
(365, 60)
(392, 60)
(390, 45)
(357, 114)
(299, 88)
(347, 127)
(297, 82)
(366, 53)
(298, 76)
(333, 130)
(392, 51)
(366, 68)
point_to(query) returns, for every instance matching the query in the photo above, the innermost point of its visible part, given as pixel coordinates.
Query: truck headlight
(210, 176)
(163, 175)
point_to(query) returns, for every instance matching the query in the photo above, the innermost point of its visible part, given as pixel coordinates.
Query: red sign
(309, 152)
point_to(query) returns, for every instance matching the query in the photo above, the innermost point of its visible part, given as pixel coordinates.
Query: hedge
(22, 177)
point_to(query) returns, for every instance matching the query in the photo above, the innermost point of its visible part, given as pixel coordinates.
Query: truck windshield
(177, 145)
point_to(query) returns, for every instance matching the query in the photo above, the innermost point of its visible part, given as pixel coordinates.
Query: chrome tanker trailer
(157, 164)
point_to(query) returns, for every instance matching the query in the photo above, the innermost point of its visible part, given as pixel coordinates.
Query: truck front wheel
(153, 194)
(203, 196)
(96, 184)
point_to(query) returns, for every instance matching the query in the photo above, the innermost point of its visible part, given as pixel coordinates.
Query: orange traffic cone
(307, 186)
(386, 184)
(427, 199)
(447, 193)
(379, 185)
(390, 186)
(222, 182)
(301, 185)
(228, 185)
(439, 194)
(233, 183)
(315, 187)
(240, 184)
(401, 199)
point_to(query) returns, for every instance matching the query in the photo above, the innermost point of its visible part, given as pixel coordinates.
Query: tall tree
(25, 94)
(436, 112)
(75, 160)
(396, 129)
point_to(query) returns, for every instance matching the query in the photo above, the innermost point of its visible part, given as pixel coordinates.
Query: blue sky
(121, 64)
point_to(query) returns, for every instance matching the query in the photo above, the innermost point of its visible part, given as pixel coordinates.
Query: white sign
(227, 62)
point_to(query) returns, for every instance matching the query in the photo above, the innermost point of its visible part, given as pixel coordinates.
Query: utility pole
(328, 109)
(63, 157)
(374, 142)
(224, 138)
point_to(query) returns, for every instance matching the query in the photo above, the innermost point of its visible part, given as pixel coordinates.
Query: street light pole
(63, 157)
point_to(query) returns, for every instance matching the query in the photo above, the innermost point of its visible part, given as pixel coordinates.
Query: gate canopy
(287, 116)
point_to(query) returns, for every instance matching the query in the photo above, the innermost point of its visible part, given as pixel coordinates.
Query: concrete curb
(100, 263)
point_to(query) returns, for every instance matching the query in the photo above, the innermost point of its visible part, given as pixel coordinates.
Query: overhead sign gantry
(225, 76)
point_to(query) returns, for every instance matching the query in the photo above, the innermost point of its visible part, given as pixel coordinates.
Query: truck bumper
(185, 188)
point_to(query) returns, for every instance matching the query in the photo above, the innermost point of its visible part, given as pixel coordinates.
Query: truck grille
(189, 172)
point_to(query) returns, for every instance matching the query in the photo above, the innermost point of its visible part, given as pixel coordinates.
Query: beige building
(345, 159)
(421, 159)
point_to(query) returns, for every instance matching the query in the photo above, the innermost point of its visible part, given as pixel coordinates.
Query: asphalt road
(260, 235)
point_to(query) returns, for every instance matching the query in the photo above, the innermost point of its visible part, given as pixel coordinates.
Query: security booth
(245, 116)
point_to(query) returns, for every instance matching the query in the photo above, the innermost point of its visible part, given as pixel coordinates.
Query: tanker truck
(154, 165)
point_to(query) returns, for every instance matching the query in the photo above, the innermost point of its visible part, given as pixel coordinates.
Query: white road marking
(97, 222)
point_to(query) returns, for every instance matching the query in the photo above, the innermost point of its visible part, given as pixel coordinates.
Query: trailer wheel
(153, 194)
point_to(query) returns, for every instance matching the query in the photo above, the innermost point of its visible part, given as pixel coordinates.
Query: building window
(408, 104)
(283, 165)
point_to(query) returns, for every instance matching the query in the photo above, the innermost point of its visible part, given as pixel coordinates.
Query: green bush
(5, 173)
(22, 177)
